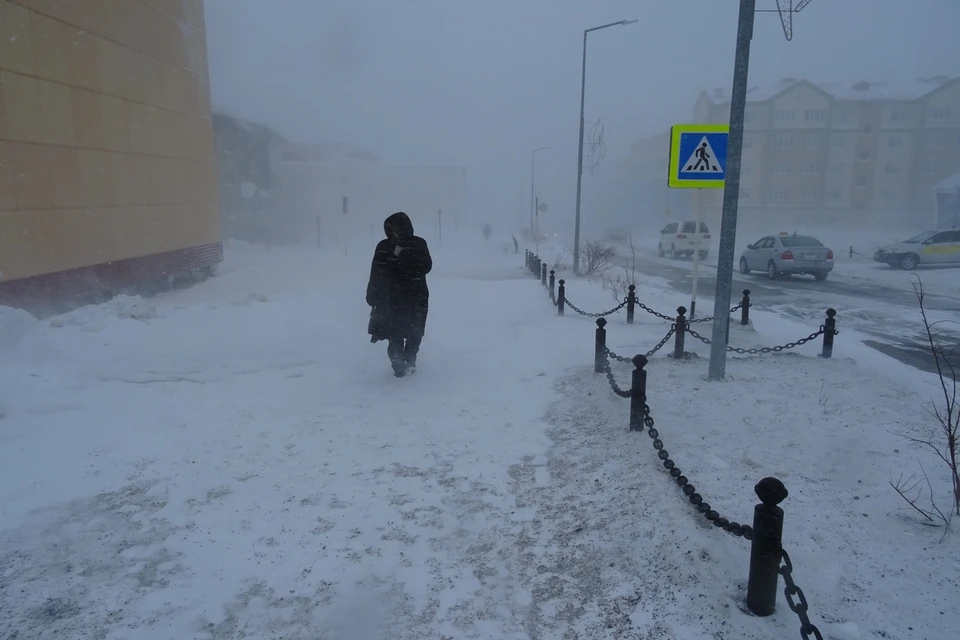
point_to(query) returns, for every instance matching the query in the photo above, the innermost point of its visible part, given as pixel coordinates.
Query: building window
(783, 142)
(835, 193)
(780, 195)
(808, 194)
(748, 142)
(861, 181)
(838, 142)
(815, 115)
(931, 167)
(866, 129)
(864, 155)
(891, 168)
(939, 113)
(784, 115)
(810, 168)
(782, 169)
(934, 141)
(898, 115)
(894, 141)
(838, 167)
(813, 142)
(843, 116)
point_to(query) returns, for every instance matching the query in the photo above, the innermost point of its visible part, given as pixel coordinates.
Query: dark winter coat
(397, 291)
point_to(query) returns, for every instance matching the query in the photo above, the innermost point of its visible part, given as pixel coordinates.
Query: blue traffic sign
(698, 156)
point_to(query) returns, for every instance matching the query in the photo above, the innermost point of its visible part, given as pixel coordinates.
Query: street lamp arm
(612, 24)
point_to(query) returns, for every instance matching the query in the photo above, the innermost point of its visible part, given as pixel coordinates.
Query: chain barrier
(594, 315)
(735, 528)
(776, 349)
(666, 338)
(655, 313)
(710, 319)
(606, 369)
(799, 606)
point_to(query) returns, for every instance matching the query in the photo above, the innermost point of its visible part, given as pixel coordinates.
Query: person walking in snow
(397, 293)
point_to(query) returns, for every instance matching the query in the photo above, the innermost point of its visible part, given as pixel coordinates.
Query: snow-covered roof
(863, 90)
(950, 185)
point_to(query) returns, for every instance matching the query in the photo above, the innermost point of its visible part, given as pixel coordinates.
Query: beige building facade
(869, 153)
(106, 142)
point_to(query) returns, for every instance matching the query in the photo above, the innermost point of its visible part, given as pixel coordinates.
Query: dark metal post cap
(563, 282)
(746, 292)
(639, 361)
(681, 310)
(831, 313)
(632, 287)
(552, 272)
(771, 492)
(601, 322)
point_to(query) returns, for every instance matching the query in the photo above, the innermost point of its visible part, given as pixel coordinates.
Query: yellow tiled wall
(106, 141)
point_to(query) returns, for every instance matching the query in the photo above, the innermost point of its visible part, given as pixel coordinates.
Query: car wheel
(772, 272)
(660, 251)
(820, 276)
(744, 267)
(909, 261)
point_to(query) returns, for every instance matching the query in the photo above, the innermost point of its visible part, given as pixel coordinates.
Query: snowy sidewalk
(237, 461)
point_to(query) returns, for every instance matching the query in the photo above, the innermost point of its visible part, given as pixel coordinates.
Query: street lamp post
(583, 90)
(533, 161)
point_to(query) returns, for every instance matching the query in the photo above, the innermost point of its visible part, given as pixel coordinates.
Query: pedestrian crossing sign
(698, 156)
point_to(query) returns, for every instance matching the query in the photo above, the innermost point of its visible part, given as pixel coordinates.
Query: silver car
(787, 255)
(927, 248)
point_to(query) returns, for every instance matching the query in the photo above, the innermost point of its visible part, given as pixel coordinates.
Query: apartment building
(846, 155)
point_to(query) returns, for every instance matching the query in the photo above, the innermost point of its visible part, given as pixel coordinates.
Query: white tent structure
(947, 196)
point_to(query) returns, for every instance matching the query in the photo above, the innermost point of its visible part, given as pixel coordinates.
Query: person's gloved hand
(397, 250)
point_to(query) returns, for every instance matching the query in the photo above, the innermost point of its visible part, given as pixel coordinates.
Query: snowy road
(237, 461)
(871, 298)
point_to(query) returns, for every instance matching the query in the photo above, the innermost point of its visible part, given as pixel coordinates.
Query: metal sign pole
(696, 255)
(318, 233)
(731, 193)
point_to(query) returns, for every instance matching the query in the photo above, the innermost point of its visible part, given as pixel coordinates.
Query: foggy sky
(482, 83)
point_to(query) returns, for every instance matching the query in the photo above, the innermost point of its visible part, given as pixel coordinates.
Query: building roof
(222, 118)
(863, 90)
(950, 185)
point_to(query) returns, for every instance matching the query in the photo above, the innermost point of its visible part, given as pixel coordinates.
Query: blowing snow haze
(481, 84)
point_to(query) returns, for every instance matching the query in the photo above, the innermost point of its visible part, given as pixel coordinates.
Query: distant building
(845, 155)
(247, 181)
(947, 194)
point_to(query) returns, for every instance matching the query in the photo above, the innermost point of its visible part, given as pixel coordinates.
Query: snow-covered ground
(237, 461)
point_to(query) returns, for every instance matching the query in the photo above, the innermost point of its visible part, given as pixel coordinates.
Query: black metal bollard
(535, 267)
(553, 286)
(829, 329)
(600, 351)
(561, 292)
(631, 302)
(745, 308)
(638, 393)
(766, 550)
(543, 274)
(681, 329)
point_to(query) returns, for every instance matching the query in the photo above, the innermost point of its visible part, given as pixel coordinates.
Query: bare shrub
(944, 438)
(562, 261)
(619, 285)
(597, 258)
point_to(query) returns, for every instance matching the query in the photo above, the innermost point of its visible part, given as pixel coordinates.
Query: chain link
(776, 349)
(735, 309)
(666, 338)
(655, 313)
(595, 315)
(799, 605)
(606, 369)
(735, 528)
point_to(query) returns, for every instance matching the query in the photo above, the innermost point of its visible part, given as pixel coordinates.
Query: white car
(924, 249)
(679, 239)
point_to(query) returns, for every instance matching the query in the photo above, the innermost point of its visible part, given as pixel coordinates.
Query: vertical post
(583, 91)
(829, 329)
(600, 351)
(318, 233)
(766, 549)
(561, 292)
(731, 191)
(679, 333)
(440, 225)
(638, 393)
(631, 302)
(745, 308)
(553, 295)
(851, 252)
(696, 254)
(543, 273)
(526, 257)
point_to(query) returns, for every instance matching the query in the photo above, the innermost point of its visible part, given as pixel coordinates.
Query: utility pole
(731, 193)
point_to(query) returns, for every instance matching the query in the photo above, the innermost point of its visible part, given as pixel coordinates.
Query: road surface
(888, 313)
